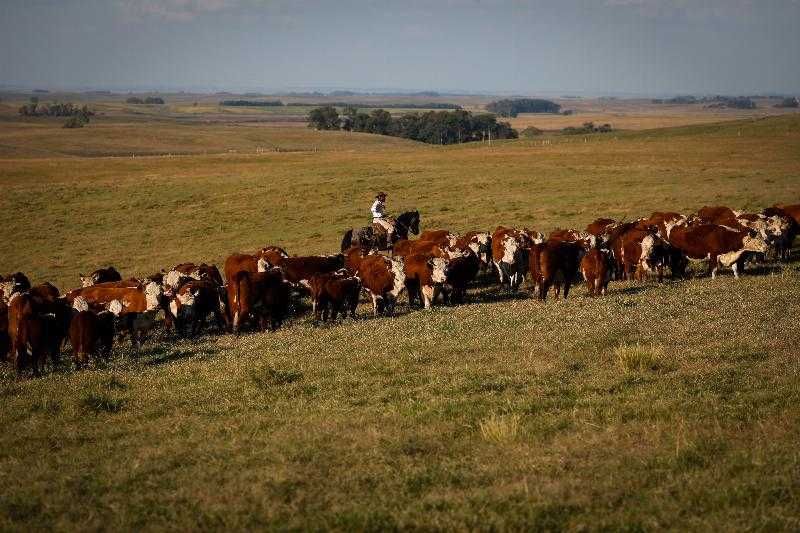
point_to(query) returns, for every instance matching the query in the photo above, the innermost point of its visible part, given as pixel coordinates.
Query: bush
(154, 100)
(75, 122)
(789, 102)
(531, 131)
(134, 100)
(323, 118)
(638, 358)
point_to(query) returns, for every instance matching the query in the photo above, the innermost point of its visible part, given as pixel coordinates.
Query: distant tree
(323, 118)
(134, 100)
(530, 132)
(154, 100)
(511, 108)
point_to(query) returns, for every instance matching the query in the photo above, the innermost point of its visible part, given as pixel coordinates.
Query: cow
(772, 229)
(36, 329)
(424, 278)
(134, 302)
(406, 247)
(299, 270)
(239, 262)
(643, 252)
(335, 292)
(600, 226)
(459, 272)
(261, 295)
(664, 221)
(101, 275)
(440, 236)
(717, 245)
(791, 228)
(585, 239)
(384, 280)
(187, 271)
(480, 242)
(193, 302)
(11, 283)
(554, 264)
(597, 267)
(91, 334)
(510, 251)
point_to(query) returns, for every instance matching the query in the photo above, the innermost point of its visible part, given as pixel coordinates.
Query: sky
(637, 47)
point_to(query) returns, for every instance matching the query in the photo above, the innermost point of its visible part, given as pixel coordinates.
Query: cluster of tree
(150, 100)
(736, 102)
(433, 127)
(399, 105)
(588, 127)
(54, 109)
(251, 103)
(792, 101)
(511, 108)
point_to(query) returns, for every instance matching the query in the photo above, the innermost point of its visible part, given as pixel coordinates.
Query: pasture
(670, 405)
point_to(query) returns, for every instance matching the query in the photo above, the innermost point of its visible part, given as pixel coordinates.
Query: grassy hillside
(659, 406)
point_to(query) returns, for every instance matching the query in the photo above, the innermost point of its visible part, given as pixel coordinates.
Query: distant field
(671, 406)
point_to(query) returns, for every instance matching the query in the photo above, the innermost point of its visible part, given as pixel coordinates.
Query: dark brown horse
(368, 238)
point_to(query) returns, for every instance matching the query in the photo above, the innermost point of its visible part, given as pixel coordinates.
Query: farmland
(670, 405)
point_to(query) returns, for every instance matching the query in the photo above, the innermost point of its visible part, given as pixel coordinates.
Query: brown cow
(554, 264)
(718, 245)
(92, 334)
(642, 252)
(585, 239)
(601, 226)
(193, 302)
(100, 275)
(11, 283)
(664, 221)
(36, 328)
(424, 278)
(135, 302)
(264, 295)
(596, 267)
(440, 236)
(334, 292)
(299, 270)
(384, 280)
(510, 252)
(480, 242)
(406, 247)
(256, 262)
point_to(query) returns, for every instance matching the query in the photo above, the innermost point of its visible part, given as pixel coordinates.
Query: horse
(368, 239)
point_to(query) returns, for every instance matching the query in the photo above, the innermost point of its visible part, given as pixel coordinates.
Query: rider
(379, 215)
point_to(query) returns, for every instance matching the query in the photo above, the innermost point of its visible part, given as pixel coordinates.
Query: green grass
(671, 405)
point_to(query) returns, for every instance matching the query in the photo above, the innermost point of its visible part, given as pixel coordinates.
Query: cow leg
(374, 304)
(427, 295)
(567, 285)
(590, 286)
(735, 268)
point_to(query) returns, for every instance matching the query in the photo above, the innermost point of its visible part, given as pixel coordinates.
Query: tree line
(77, 117)
(432, 127)
(278, 103)
(251, 103)
(150, 100)
(511, 108)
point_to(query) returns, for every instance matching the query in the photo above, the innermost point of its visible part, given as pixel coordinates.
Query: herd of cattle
(257, 290)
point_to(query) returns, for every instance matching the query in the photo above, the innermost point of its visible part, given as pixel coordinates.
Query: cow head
(86, 281)
(438, 269)
(154, 296)
(753, 243)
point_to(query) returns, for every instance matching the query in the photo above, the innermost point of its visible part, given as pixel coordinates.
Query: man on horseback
(381, 219)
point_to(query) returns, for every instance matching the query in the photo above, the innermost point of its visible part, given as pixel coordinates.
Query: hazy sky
(524, 46)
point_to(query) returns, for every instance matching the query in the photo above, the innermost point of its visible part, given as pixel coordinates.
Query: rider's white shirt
(377, 209)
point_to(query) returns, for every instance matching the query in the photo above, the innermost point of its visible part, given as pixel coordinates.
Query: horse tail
(347, 240)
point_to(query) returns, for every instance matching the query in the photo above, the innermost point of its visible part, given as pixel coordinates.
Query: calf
(262, 295)
(384, 280)
(596, 267)
(334, 292)
(459, 273)
(92, 334)
(424, 278)
(193, 302)
(554, 264)
(101, 275)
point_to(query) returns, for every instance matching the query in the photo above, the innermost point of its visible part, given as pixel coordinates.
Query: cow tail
(347, 240)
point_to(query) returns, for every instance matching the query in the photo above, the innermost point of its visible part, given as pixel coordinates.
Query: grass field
(671, 406)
